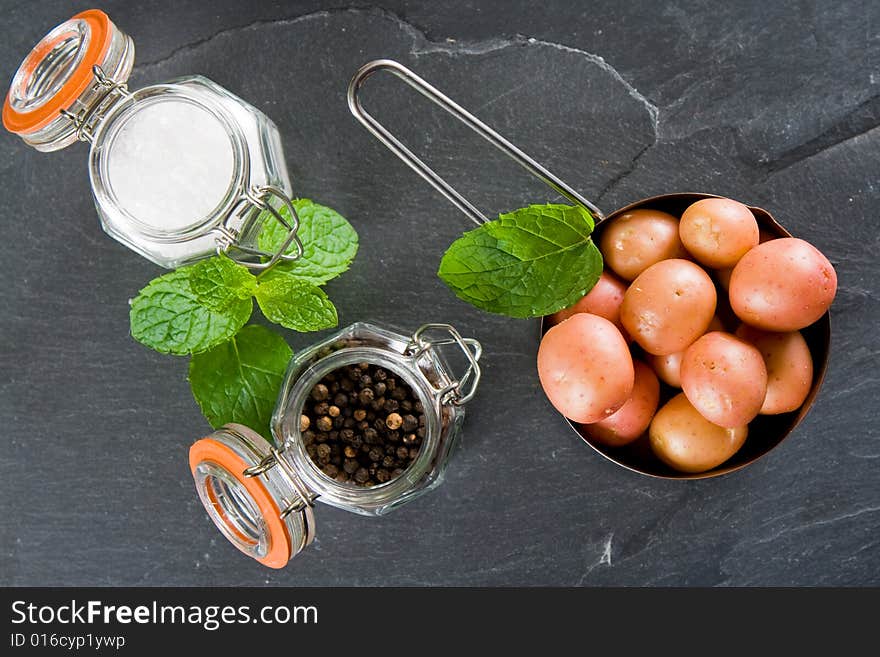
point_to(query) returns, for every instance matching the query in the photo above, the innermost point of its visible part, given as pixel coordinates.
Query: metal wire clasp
(110, 91)
(437, 97)
(459, 391)
(254, 203)
(304, 496)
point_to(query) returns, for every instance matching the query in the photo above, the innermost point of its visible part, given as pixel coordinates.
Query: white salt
(171, 164)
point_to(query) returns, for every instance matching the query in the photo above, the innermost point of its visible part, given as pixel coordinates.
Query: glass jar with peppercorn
(365, 421)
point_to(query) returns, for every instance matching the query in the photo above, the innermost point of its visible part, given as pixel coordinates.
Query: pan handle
(433, 94)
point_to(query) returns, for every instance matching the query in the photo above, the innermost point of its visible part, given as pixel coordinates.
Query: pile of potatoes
(709, 305)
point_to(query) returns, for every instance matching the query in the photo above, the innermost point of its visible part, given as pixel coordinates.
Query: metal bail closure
(437, 97)
(252, 495)
(458, 391)
(254, 208)
(110, 91)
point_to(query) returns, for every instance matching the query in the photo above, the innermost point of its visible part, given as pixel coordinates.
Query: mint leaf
(295, 304)
(219, 283)
(239, 380)
(329, 242)
(168, 317)
(526, 263)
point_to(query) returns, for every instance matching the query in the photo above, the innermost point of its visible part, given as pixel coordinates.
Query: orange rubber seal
(99, 43)
(211, 451)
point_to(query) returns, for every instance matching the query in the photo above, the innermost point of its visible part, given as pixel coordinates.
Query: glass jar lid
(263, 510)
(56, 82)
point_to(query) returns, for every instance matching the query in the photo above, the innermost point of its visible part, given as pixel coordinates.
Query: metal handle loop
(472, 349)
(431, 93)
(256, 200)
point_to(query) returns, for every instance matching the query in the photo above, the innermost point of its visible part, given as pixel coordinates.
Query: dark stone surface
(772, 103)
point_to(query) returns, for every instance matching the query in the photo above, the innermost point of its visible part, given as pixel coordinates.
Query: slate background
(775, 104)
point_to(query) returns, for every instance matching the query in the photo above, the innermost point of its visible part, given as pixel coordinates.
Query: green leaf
(527, 263)
(239, 380)
(219, 283)
(298, 305)
(167, 316)
(329, 242)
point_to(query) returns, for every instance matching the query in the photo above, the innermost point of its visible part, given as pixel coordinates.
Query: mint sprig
(169, 317)
(235, 372)
(526, 263)
(238, 380)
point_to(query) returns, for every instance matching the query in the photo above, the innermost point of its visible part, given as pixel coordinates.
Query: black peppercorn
(320, 392)
(353, 431)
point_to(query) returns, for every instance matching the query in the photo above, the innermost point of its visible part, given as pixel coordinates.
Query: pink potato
(718, 231)
(603, 300)
(668, 306)
(789, 367)
(639, 238)
(686, 441)
(632, 419)
(785, 284)
(724, 378)
(585, 368)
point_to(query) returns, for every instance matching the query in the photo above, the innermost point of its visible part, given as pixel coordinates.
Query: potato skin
(668, 306)
(724, 378)
(639, 238)
(603, 300)
(789, 367)
(686, 441)
(718, 231)
(632, 419)
(782, 285)
(585, 368)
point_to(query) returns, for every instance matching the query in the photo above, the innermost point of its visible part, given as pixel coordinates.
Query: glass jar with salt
(179, 170)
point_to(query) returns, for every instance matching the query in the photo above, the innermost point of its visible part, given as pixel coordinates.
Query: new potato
(724, 378)
(639, 238)
(718, 231)
(785, 284)
(686, 441)
(585, 368)
(668, 306)
(789, 367)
